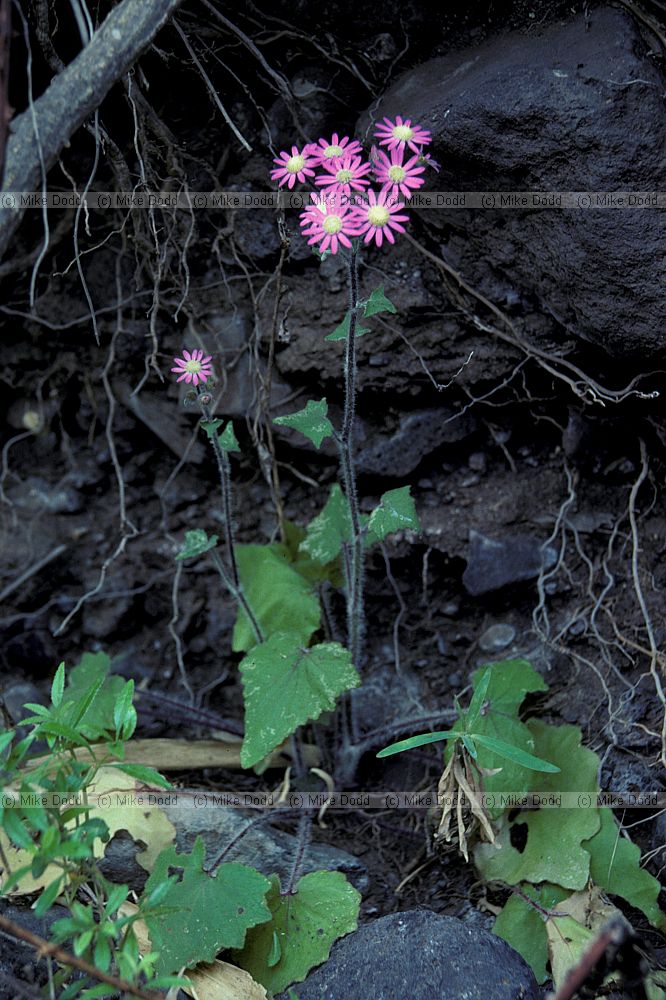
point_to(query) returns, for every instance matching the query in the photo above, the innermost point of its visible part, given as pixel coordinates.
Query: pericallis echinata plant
(289, 677)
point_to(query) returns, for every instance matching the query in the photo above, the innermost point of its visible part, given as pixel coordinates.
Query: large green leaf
(280, 597)
(311, 421)
(615, 866)
(285, 686)
(94, 694)
(522, 926)
(554, 849)
(329, 529)
(208, 911)
(396, 512)
(304, 925)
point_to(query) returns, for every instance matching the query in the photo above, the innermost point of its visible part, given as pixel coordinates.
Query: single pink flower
(399, 134)
(324, 150)
(397, 177)
(344, 175)
(377, 218)
(328, 222)
(193, 367)
(298, 166)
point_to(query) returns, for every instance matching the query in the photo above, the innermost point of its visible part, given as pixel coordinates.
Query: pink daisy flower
(397, 177)
(329, 223)
(344, 175)
(325, 151)
(193, 367)
(298, 166)
(399, 134)
(377, 218)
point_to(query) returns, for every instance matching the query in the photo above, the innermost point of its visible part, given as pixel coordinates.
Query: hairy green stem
(230, 575)
(346, 444)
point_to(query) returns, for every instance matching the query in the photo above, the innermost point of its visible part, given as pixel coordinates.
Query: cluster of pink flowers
(346, 206)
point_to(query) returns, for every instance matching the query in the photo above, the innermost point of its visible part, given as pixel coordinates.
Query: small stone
(477, 461)
(492, 564)
(497, 637)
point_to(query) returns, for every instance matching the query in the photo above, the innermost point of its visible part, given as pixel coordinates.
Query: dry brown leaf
(113, 797)
(186, 755)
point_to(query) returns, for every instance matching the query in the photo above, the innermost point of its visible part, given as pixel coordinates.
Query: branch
(38, 135)
(43, 947)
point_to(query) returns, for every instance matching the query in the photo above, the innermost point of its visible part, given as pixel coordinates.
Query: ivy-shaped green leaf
(554, 850)
(226, 439)
(305, 923)
(208, 911)
(341, 332)
(281, 599)
(522, 926)
(396, 512)
(615, 865)
(329, 529)
(196, 543)
(311, 421)
(378, 303)
(286, 685)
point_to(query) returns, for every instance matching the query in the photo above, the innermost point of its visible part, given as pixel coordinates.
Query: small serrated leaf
(329, 529)
(396, 512)
(196, 543)
(341, 332)
(378, 303)
(227, 439)
(310, 421)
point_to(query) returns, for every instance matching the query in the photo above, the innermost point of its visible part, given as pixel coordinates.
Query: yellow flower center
(397, 174)
(193, 367)
(403, 133)
(332, 151)
(343, 176)
(295, 164)
(332, 224)
(378, 215)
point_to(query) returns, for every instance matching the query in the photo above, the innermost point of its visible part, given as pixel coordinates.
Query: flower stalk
(354, 564)
(229, 574)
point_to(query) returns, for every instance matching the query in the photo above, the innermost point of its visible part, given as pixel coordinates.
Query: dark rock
(419, 433)
(119, 863)
(628, 773)
(492, 564)
(269, 850)
(17, 958)
(16, 696)
(419, 955)
(577, 107)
